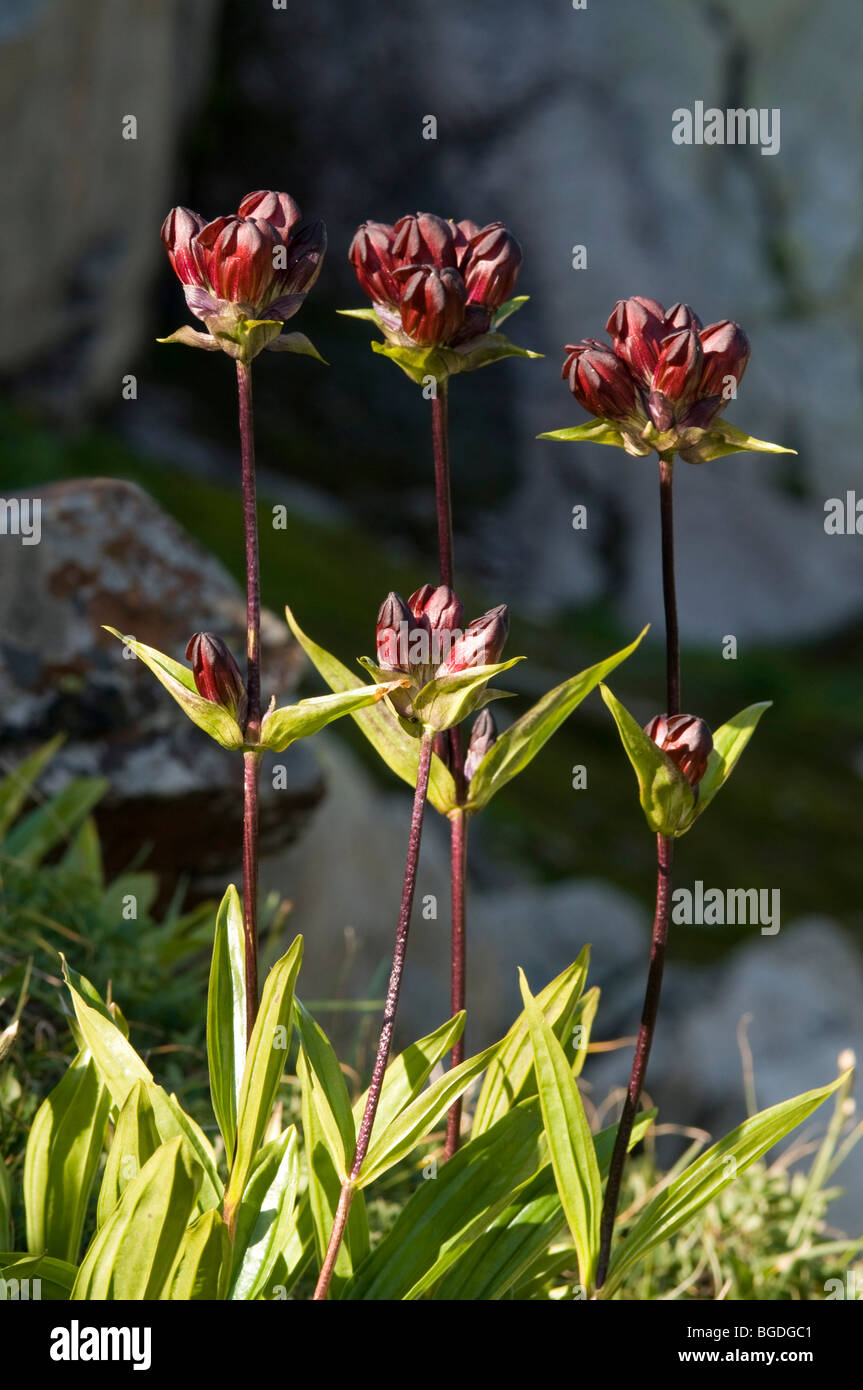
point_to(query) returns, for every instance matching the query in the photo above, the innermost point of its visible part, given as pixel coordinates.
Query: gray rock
(108, 554)
(83, 205)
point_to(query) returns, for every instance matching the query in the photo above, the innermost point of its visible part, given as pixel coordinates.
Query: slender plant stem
(458, 848)
(672, 638)
(665, 855)
(251, 761)
(392, 1001)
(458, 821)
(664, 860)
(440, 443)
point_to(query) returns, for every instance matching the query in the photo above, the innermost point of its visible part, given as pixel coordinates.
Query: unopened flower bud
(432, 304)
(424, 240)
(439, 605)
(491, 266)
(686, 740)
(217, 675)
(177, 231)
(600, 381)
(393, 633)
(371, 256)
(464, 233)
(637, 327)
(481, 644)
(279, 209)
(483, 735)
(725, 349)
(681, 316)
(678, 369)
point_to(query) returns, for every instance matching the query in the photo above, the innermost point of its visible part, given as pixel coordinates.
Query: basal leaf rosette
(678, 764)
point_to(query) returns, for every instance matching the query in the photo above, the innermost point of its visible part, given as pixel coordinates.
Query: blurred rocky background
(557, 120)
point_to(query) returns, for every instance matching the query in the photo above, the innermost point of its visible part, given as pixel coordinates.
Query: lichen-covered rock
(108, 554)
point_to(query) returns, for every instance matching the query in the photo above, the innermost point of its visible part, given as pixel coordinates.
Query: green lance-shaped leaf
(519, 744)
(407, 1073)
(511, 1077)
(63, 1151)
(511, 307)
(54, 822)
(573, 1156)
(136, 1139)
(5, 1207)
(18, 784)
(56, 1277)
(598, 431)
(296, 342)
(709, 1175)
(330, 1140)
(420, 363)
(507, 1251)
(395, 746)
(265, 1216)
(723, 438)
(281, 727)
(179, 681)
(132, 1255)
(665, 795)
(420, 1117)
(226, 1017)
(447, 700)
(729, 742)
(448, 1211)
(576, 1045)
(203, 1262)
(120, 1067)
(265, 1063)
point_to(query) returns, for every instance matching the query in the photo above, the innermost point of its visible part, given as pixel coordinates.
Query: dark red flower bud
(238, 255)
(481, 644)
(600, 381)
(491, 266)
(178, 229)
(681, 316)
(483, 735)
(371, 256)
(217, 675)
(464, 233)
(432, 304)
(686, 740)
(726, 352)
(394, 626)
(306, 249)
(637, 327)
(279, 209)
(424, 240)
(439, 606)
(678, 370)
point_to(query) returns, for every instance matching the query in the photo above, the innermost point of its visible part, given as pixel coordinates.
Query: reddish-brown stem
(458, 849)
(440, 444)
(390, 1008)
(251, 761)
(664, 855)
(672, 639)
(458, 822)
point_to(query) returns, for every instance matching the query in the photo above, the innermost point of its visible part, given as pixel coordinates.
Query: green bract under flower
(420, 363)
(669, 804)
(280, 727)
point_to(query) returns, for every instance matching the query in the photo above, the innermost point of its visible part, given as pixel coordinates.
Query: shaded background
(559, 122)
